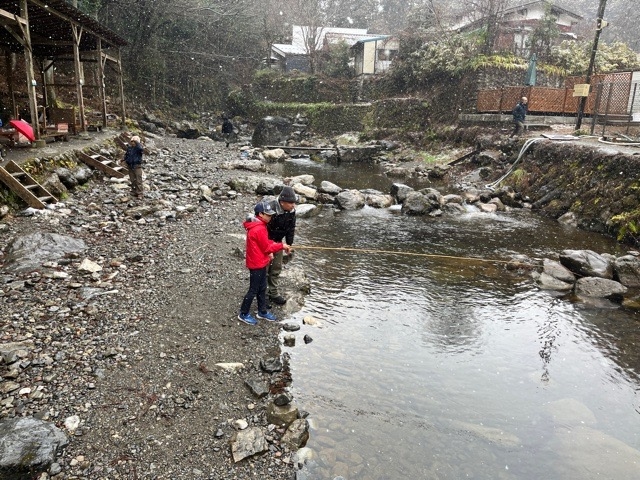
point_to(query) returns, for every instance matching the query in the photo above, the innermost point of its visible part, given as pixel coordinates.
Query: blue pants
(257, 288)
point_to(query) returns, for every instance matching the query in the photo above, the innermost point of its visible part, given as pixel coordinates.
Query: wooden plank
(121, 143)
(286, 147)
(36, 199)
(101, 163)
(469, 153)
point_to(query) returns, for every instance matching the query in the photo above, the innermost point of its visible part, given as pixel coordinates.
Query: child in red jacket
(260, 251)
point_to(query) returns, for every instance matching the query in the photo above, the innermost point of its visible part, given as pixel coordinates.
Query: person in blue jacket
(519, 114)
(133, 159)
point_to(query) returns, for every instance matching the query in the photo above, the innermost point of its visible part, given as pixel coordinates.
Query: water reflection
(446, 369)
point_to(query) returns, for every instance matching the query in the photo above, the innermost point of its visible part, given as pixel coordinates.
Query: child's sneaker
(247, 318)
(268, 316)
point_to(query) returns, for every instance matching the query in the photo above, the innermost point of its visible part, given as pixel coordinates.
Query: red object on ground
(24, 128)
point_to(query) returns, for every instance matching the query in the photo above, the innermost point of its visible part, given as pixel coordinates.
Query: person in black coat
(281, 227)
(133, 159)
(519, 114)
(227, 130)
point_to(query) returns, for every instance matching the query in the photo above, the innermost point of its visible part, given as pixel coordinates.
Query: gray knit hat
(288, 195)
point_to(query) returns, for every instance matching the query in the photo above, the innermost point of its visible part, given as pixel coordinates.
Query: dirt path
(136, 362)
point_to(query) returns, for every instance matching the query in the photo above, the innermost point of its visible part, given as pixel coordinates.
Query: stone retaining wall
(601, 186)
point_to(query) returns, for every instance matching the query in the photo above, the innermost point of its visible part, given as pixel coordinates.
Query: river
(438, 368)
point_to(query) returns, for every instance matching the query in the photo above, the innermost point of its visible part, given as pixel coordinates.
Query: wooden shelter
(52, 31)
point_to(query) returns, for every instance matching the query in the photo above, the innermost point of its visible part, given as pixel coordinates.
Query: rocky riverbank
(126, 338)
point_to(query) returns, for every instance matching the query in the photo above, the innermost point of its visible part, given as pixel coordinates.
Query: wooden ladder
(123, 140)
(102, 163)
(23, 185)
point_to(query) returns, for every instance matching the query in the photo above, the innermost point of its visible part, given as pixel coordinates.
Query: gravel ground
(131, 350)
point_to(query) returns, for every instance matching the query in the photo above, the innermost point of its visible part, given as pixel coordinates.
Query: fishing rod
(394, 252)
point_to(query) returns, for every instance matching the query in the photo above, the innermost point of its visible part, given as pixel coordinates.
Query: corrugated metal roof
(285, 48)
(50, 33)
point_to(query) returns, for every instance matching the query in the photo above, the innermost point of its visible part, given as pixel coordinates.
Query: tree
(544, 35)
(337, 62)
(573, 57)
(184, 51)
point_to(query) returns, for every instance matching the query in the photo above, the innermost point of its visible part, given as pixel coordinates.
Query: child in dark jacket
(260, 251)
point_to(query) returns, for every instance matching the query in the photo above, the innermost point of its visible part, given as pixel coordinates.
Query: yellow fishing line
(393, 252)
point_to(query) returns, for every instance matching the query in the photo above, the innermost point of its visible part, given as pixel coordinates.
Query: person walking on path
(259, 253)
(227, 130)
(281, 227)
(133, 159)
(519, 114)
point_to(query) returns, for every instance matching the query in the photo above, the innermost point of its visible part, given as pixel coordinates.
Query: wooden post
(592, 60)
(10, 61)
(633, 100)
(45, 100)
(606, 112)
(596, 107)
(31, 81)
(122, 107)
(101, 87)
(77, 36)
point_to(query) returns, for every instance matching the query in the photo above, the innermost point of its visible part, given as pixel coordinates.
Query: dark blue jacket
(519, 112)
(133, 156)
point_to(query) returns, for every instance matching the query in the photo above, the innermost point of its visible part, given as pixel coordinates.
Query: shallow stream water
(432, 368)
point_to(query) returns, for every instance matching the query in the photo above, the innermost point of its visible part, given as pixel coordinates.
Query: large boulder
(187, 130)
(247, 443)
(547, 282)
(271, 131)
(627, 270)
(600, 287)
(558, 271)
(330, 188)
(416, 203)
(400, 191)
(350, 200)
(307, 210)
(275, 155)
(305, 191)
(67, 177)
(29, 252)
(367, 154)
(297, 434)
(377, 199)
(303, 179)
(587, 263)
(54, 186)
(28, 446)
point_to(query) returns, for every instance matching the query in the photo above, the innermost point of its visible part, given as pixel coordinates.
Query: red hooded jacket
(258, 244)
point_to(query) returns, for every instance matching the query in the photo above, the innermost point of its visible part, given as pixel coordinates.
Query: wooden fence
(613, 97)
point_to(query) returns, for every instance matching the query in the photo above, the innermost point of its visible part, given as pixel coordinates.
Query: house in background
(287, 58)
(516, 24)
(372, 53)
(295, 56)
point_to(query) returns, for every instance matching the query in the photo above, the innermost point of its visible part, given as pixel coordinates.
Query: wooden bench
(64, 115)
(59, 132)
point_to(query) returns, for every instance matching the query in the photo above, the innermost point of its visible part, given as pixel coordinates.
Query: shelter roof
(374, 38)
(286, 49)
(50, 28)
(554, 8)
(351, 38)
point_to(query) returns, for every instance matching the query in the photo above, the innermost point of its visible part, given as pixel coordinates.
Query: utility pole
(592, 61)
